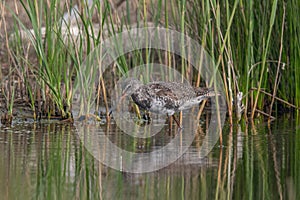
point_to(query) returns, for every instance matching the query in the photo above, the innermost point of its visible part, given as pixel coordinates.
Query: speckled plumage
(165, 97)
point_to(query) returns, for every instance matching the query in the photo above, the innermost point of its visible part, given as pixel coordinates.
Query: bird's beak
(124, 94)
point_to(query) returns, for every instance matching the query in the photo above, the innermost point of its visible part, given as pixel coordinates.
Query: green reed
(9, 98)
(292, 88)
(251, 41)
(55, 58)
(255, 47)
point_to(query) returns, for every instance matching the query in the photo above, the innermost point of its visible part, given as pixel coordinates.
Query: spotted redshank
(165, 97)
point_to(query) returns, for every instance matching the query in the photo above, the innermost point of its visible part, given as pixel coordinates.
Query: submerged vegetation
(255, 45)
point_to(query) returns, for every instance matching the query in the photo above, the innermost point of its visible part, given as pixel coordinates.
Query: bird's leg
(170, 124)
(137, 111)
(146, 116)
(178, 124)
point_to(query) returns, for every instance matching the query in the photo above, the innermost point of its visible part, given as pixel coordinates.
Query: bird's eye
(127, 87)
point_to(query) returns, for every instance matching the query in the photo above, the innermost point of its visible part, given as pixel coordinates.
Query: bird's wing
(162, 91)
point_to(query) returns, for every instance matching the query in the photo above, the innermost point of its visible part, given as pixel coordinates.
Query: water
(47, 161)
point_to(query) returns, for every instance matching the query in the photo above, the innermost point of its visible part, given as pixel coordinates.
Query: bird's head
(130, 85)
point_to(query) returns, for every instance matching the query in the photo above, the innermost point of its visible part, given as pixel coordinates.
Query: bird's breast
(160, 106)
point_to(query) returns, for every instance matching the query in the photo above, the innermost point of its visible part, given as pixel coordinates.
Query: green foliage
(254, 44)
(246, 37)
